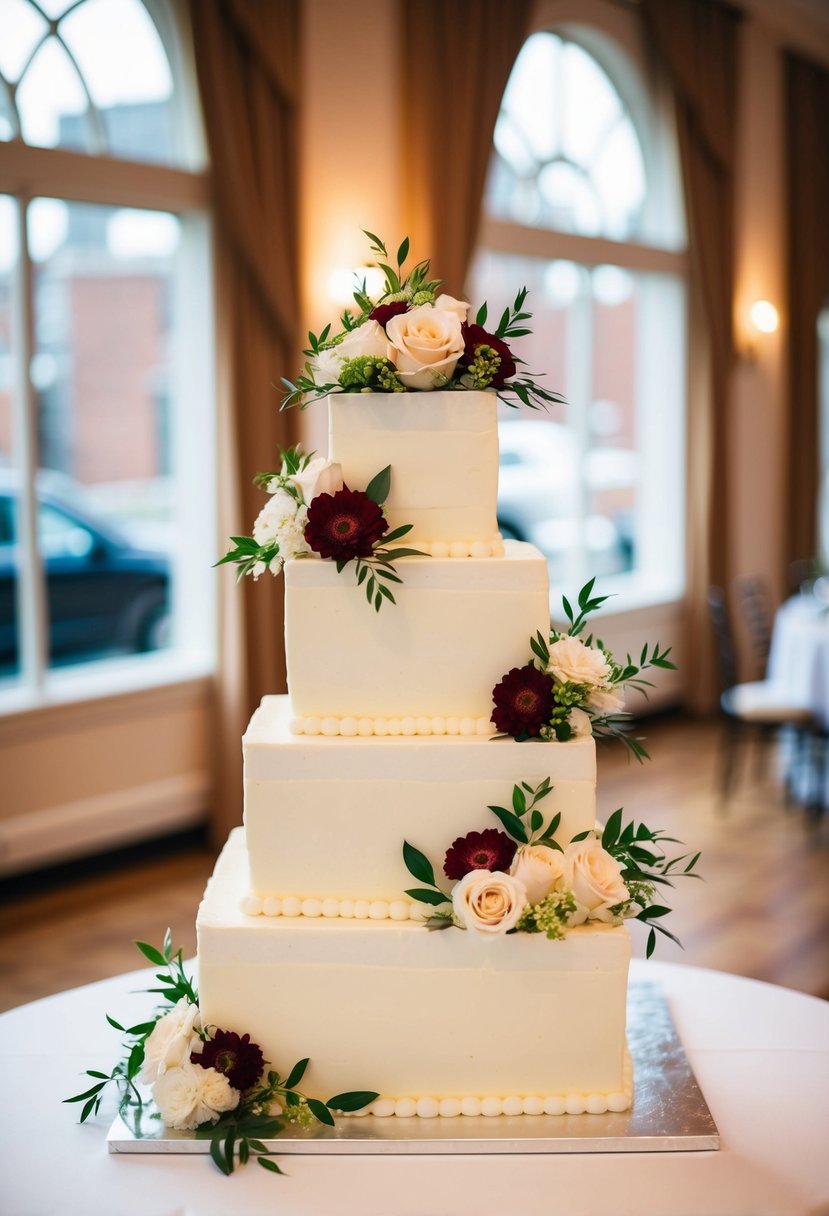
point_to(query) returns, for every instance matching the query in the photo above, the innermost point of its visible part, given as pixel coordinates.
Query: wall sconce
(763, 318)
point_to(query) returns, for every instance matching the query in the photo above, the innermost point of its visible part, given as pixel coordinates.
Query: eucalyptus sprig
(238, 1135)
(176, 985)
(525, 822)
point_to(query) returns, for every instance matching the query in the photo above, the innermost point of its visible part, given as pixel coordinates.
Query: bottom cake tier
(442, 1022)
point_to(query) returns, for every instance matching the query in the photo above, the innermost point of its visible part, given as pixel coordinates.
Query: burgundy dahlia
(234, 1055)
(383, 313)
(487, 850)
(523, 702)
(344, 525)
(475, 336)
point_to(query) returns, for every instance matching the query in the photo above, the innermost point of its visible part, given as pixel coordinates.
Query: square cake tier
(326, 818)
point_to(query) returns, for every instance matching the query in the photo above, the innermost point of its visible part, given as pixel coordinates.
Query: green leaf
(378, 488)
(480, 319)
(150, 952)
(296, 1074)
(353, 1100)
(320, 1111)
(426, 895)
(418, 865)
(536, 820)
(611, 830)
(519, 802)
(91, 1105)
(403, 251)
(112, 1022)
(218, 1156)
(90, 1093)
(268, 1163)
(511, 822)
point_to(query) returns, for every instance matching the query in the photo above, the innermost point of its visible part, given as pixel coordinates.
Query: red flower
(475, 336)
(487, 850)
(383, 313)
(344, 525)
(523, 702)
(240, 1060)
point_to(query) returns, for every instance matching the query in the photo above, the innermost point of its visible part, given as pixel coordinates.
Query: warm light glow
(344, 282)
(764, 316)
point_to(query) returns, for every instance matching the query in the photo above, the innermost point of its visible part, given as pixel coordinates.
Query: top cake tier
(443, 452)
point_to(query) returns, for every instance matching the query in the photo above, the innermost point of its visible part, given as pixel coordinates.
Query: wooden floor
(762, 909)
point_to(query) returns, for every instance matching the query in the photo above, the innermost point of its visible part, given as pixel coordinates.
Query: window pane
(103, 329)
(125, 68)
(596, 483)
(22, 27)
(52, 103)
(568, 156)
(9, 641)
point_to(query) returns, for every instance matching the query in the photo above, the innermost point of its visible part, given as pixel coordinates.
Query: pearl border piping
(462, 548)
(292, 906)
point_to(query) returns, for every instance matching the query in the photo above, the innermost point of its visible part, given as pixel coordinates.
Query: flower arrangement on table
(519, 879)
(309, 510)
(204, 1079)
(413, 339)
(572, 685)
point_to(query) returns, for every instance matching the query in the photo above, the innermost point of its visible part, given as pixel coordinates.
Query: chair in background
(756, 711)
(755, 608)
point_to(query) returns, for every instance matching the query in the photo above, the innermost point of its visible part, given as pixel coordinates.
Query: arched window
(582, 205)
(106, 451)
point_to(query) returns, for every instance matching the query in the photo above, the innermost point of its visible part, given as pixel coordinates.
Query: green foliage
(525, 823)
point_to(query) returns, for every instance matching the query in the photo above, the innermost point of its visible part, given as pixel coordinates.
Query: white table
(799, 655)
(760, 1053)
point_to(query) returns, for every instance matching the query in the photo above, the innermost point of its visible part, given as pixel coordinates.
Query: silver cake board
(669, 1114)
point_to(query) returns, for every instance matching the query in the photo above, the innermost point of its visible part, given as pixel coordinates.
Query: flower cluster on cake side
(311, 511)
(519, 879)
(572, 685)
(413, 338)
(205, 1079)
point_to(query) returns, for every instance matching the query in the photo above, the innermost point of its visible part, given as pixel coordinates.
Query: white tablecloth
(760, 1053)
(799, 656)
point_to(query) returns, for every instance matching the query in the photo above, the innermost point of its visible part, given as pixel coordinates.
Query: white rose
(367, 339)
(425, 345)
(449, 304)
(171, 1040)
(320, 476)
(604, 701)
(595, 878)
(580, 723)
(176, 1094)
(489, 902)
(540, 868)
(290, 535)
(571, 660)
(216, 1094)
(280, 507)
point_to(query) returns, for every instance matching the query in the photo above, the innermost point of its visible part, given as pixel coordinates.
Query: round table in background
(760, 1054)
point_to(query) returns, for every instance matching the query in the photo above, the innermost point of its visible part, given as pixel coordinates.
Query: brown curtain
(457, 57)
(246, 55)
(696, 43)
(807, 185)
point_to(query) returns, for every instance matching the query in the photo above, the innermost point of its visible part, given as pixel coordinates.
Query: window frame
(612, 39)
(28, 172)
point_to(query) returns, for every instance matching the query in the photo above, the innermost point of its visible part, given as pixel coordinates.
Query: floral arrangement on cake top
(204, 1079)
(310, 510)
(572, 685)
(519, 879)
(412, 338)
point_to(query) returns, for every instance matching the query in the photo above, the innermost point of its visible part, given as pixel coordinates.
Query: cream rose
(540, 868)
(595, 878)
(171, 1040)
(489, 901)
(320, 476)
(449, 304)
(190, 1095)
(425, 344)
(604, 701)
(367, 339)
(570, 660)
(580, 723)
